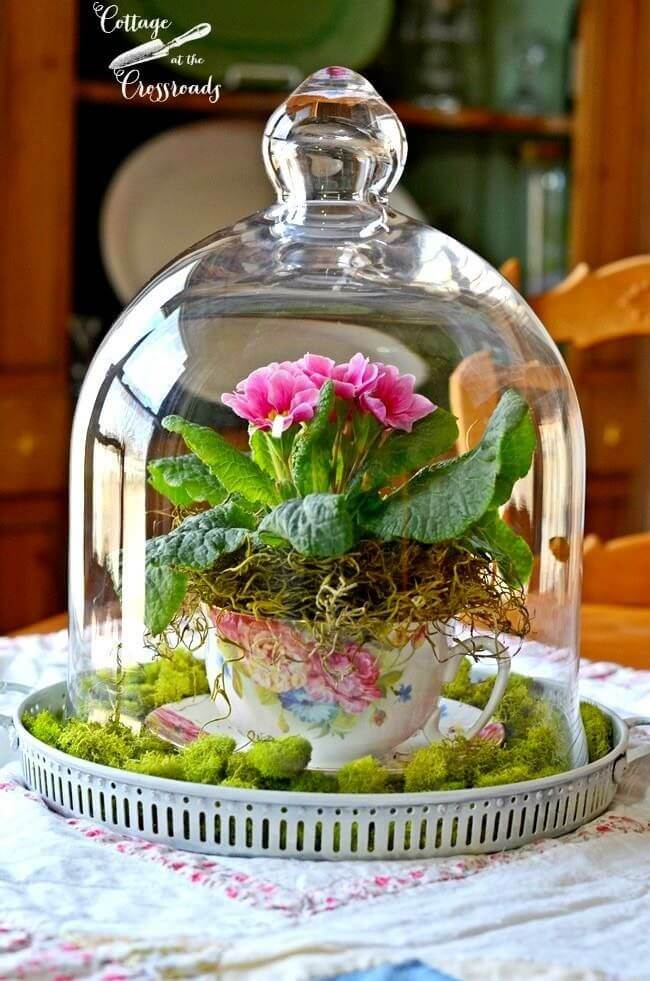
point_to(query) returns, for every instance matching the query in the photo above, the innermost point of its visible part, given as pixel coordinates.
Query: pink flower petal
(277, 390)
(392, 401)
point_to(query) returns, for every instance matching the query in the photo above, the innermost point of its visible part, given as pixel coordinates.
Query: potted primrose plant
(326, 569)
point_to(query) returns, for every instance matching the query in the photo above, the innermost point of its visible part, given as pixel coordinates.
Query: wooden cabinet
(39, 98)
(34, 425)
(610, 219)
(36, 180)
(32, 557)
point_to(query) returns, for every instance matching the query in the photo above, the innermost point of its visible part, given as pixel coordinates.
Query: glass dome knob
(334, 139)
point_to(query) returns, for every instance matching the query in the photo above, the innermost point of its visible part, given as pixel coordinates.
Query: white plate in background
(181, 186)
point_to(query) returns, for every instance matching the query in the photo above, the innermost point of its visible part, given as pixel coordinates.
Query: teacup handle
(472, 646)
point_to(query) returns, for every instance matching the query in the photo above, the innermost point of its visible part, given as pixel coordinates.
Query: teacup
(273, 679)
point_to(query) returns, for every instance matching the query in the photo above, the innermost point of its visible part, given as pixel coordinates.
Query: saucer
(180, 723)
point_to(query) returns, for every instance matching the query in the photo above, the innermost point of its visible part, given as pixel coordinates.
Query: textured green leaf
(443, 501)
(404, 453)
(184, 480)
(310, 455)
(516, 454)
(260, 450)
(237, 472)
(199, 541)
(165, 590)
(509, 550)
(318, 524)
(437, 505)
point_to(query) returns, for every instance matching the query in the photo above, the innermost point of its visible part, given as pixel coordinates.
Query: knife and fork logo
(157, 49)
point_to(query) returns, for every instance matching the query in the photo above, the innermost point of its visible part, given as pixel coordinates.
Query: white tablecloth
(79, 901)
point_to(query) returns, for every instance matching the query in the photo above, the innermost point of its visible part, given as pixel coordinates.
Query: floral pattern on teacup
(329, 691)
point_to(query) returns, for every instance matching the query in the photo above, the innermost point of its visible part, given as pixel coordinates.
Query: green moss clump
(280, 758)
(534, 745)
(458, 764)
(137, 700)
(205, 760)
(520, 708)
(428, 769)
(241, 774)
(598, 729)
(363, 776)
(509, 774)
(111, 744)
(44, 726)
(451, 764)
(148, 742)
(316, 782)
(463, 689)
(277, 764)
(236, 762)
(246, 779)
(180, 675)
(170, 677)
(540, 748)
(165, 765)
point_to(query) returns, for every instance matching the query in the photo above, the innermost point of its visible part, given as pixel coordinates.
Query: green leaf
(165, 590)
(404, 453)
(261, 451)
(184, 480)
(265, 539)
(199, 541)
(509, 550)
(318, 524)
(442, 502)
(237, 472)
(516, 454)
(310, 456)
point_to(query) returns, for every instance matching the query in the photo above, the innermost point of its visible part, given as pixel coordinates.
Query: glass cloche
(327, 483)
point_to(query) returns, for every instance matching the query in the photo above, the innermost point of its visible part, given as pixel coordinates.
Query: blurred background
(529, 140)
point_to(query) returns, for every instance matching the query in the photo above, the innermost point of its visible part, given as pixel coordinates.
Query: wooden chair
(591, 308)
(617, 572)
(597, 317)
(475, 383)
(615, 615)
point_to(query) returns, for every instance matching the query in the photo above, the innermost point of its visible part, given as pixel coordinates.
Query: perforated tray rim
(235, 821)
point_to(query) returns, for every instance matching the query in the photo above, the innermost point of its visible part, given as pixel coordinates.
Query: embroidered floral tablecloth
(79, 901)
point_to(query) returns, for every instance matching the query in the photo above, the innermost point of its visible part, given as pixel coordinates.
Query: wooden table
(609, 633)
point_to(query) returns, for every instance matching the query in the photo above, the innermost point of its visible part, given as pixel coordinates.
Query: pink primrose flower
(350, 379)
(392, 400)
(274, 397)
